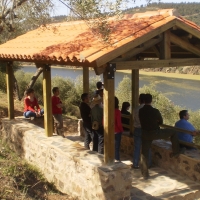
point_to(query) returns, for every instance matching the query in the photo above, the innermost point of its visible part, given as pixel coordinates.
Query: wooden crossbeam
(156, 63)
(140, 49)
(184, 44)
(187, 28)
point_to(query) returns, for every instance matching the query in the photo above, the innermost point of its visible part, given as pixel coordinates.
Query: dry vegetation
(18, 179)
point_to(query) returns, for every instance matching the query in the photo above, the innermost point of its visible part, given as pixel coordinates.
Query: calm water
(181, 92)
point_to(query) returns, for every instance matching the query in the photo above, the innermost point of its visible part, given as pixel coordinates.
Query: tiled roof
(73, 43)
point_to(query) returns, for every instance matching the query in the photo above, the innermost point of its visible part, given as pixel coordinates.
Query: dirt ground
(20, 181)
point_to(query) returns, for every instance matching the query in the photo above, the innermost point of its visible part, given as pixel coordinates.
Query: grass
(19, 180)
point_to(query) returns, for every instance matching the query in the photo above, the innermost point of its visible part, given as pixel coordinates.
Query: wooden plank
(86, 79)
(100, 70)
(156, 63)
(48, 118)
(156, 50)
(184, 44)
(138, 50)
(135, 40)
(135, 93)
(189, 29)
(109, 135)
(9, 82)
(166, 47)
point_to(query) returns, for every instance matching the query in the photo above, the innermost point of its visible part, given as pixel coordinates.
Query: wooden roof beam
(156, 63)
(183, 44)
(140, 49)
(187, 28)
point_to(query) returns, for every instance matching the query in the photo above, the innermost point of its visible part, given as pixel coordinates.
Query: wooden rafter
(132, 42)
(139, 49)
(156, 63)
(187, 28)
(184, 44)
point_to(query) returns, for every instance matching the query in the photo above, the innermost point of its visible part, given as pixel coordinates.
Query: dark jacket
(85, 111)
(150, 118)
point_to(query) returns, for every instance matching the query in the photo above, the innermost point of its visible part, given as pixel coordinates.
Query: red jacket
(55, 101)
(30, 105)
(118, 123)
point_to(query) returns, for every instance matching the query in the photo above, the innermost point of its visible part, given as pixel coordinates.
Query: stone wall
(186, 165)
(73, 169)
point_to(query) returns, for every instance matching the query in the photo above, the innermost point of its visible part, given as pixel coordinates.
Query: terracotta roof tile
(74, 42)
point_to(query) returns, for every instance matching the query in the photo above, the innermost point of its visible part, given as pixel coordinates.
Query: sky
(62, 10)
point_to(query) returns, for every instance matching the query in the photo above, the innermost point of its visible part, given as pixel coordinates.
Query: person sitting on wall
(184, 124)
(31, 107)
(57, 111)
(124, 111)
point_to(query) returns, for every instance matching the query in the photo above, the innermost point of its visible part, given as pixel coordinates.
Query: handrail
(178, 129)
(170, 127)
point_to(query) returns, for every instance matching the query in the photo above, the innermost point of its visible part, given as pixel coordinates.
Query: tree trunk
(34, 78)
(16, 88)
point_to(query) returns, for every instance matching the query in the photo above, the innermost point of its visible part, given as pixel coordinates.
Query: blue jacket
(184, 124)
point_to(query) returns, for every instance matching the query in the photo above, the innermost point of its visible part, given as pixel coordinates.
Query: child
(31, 107)
(57, 111)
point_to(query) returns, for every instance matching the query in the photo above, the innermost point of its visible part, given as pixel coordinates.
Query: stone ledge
(73, 169)
(186, 165)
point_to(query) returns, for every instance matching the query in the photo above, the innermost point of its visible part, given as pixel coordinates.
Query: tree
(15, 13)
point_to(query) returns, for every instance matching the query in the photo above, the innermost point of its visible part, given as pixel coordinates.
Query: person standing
(124, 111)
(85, 112)
(97, 122)
(57, 111)
(118, 130)
(137, 135)
(150, 119)
(184, 124)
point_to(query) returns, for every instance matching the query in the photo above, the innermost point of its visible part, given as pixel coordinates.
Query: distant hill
(190, 11)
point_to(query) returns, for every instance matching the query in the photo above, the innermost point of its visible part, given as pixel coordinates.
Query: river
(182, 92)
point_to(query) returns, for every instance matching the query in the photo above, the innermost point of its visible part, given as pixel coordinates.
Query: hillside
(188, 10)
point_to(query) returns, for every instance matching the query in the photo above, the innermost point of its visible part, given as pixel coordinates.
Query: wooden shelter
(143, 40)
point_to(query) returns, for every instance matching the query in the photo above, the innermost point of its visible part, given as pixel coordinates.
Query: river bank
(168, 75)
(141, 72)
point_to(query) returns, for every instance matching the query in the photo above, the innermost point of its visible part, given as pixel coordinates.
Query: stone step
(162, 184)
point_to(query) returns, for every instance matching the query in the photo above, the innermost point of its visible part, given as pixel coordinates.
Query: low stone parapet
(73, 169)
(187, 164)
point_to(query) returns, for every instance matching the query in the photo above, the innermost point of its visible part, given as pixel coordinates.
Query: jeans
(88, 136)
(100, 133)
(148, 137)
(118, 137)
(29, 113)
(137, 148)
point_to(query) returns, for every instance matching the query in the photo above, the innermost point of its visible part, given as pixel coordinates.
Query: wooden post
(109, 135)
(135, 94)
(9, 82)
(166, 46)
(47, 101)
(86, 79)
